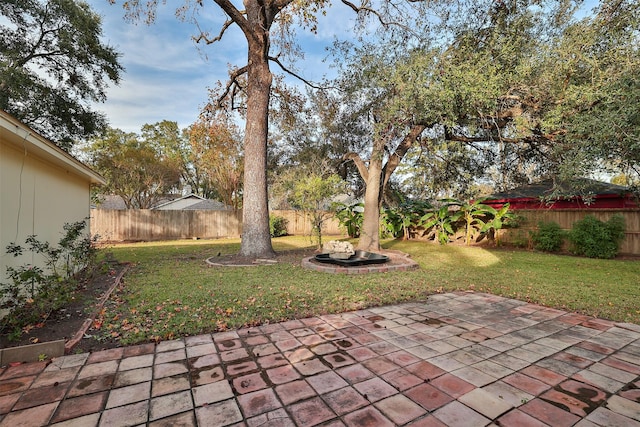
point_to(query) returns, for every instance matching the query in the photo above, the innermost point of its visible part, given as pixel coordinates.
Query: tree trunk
(256, 239)
(370, 231)
(376, 178)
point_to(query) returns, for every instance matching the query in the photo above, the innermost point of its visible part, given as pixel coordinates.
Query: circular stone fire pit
(357, 259)
(361, 262)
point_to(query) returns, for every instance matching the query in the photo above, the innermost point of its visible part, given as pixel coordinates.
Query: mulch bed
(64, 324)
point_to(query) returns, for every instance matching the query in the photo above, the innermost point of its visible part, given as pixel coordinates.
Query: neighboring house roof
(207, 204)
(578, 194)
(188, 202)
(16, 133)
(180, 203)
(111, 201)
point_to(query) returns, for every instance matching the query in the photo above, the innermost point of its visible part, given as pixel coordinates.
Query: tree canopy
(53, 65)
(216, 157)
(508, 92)
(133, 167)
(472, 92)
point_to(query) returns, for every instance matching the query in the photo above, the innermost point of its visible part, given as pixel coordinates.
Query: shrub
(34, 292)
(350, 217)
(549, 237)
(402, 220)
(596, 239)
(277, 226)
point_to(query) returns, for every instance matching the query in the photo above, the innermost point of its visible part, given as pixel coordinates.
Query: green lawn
(170, 291)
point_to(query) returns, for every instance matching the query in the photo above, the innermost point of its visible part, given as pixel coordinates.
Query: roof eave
(20, 135)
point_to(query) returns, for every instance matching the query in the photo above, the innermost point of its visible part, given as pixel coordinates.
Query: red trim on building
(602, 201)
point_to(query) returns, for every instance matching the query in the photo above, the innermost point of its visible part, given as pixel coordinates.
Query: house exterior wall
(41, 188)
(37, 198)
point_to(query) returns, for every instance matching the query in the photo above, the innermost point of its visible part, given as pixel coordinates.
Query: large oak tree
(259, 21)
(519, 88)
(53, 65)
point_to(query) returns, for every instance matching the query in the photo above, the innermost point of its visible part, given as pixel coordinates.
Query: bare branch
(203, 36)
(232, 85)
(358, 9)
(380, 16)
(297, 76)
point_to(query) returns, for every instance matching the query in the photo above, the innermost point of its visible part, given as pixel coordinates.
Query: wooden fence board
(155, 225)
(567, 217)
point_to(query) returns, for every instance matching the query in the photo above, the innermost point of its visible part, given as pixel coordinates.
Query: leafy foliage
(474, 218)
(596, 239)
(134, 167)
(53, 63)
(216, 158)
(499, 219)
(474, 213)
(442, 223)
(505, 92)
(277, 226)
(349, 217)
(312, 194)
(35, 292)
(403, 220)
(549, 237)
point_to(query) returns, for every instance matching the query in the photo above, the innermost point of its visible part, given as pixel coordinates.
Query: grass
(171, 291)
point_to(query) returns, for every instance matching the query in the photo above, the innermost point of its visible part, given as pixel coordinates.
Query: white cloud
(167, 75)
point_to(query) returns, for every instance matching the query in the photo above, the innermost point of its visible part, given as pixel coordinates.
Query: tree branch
(232, 83)
(397, 156)
(358, 9)
(362, 167)
(297, 76)
(207, 40)
(236, 16)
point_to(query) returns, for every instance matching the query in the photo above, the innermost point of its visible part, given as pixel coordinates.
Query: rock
(338, 250)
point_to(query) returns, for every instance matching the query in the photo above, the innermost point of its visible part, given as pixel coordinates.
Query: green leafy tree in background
(216, 158)
(312, 192)
(53, 64)
(133, 168)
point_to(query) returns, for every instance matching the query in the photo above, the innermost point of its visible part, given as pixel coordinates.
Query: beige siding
(37, 198)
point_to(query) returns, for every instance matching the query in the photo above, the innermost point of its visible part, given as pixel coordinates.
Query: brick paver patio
(460, 359)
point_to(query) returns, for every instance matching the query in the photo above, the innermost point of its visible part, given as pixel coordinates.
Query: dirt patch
(64, 324)
(236, 260)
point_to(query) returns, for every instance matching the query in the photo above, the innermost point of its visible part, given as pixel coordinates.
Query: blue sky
(167, 74)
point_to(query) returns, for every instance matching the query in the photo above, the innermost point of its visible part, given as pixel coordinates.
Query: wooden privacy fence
(567, 217)
(153, 225)
(150, 225)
